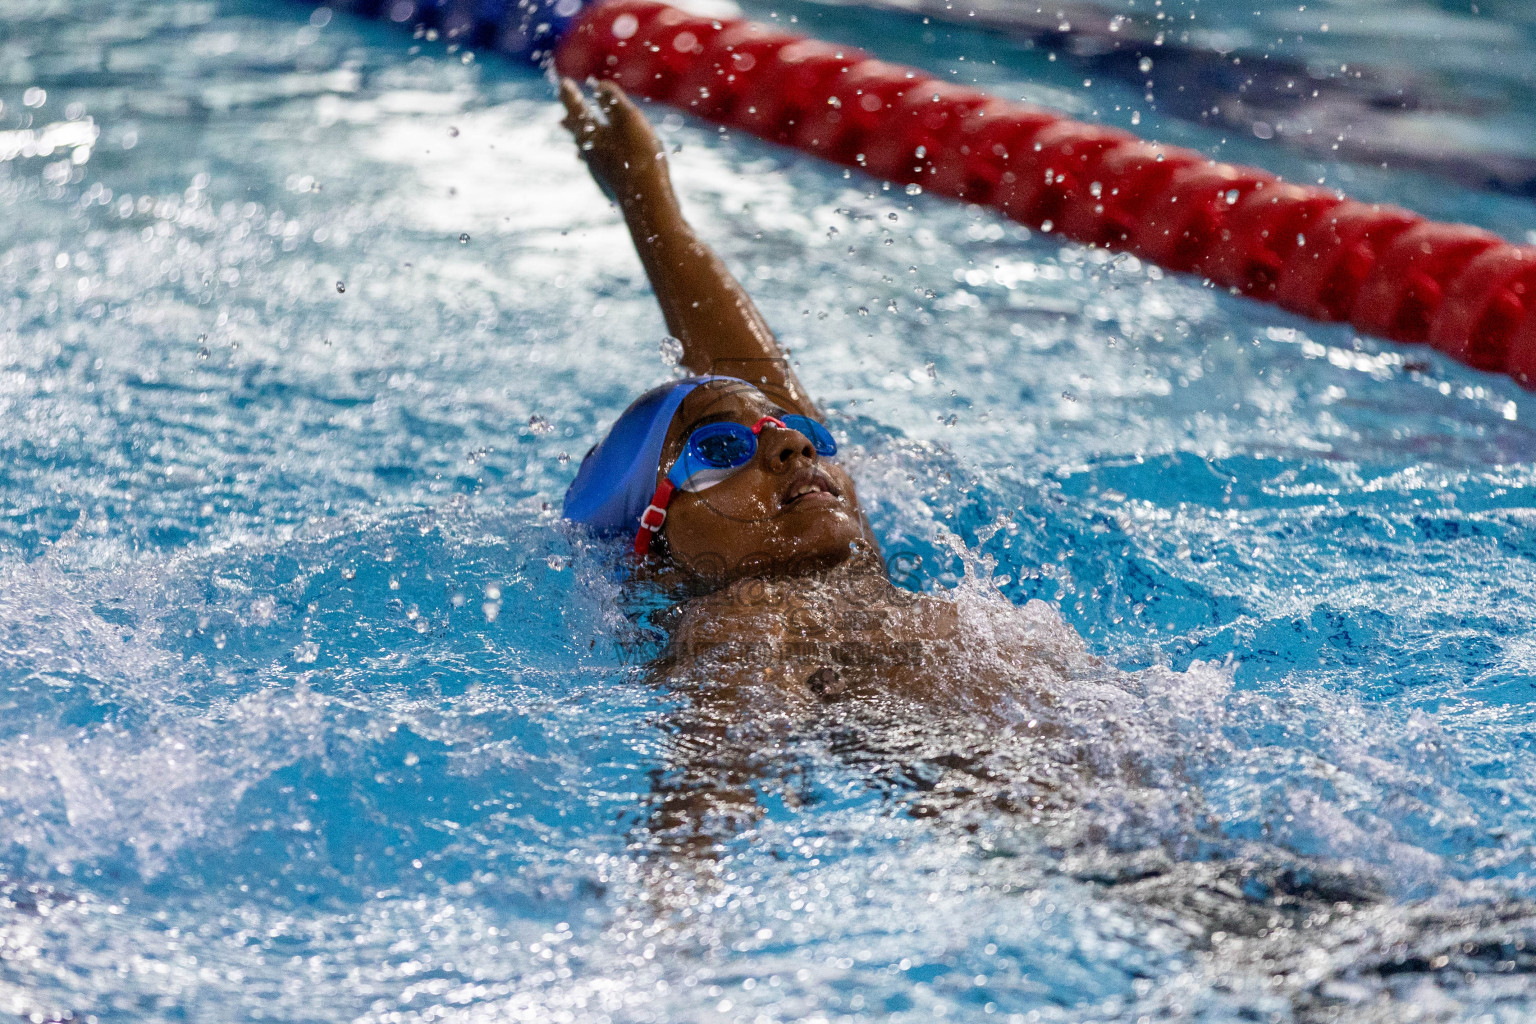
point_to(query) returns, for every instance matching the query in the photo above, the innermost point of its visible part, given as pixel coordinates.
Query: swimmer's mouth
(806, 485)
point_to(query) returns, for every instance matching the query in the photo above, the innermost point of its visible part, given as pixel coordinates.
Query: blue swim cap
(618, 477)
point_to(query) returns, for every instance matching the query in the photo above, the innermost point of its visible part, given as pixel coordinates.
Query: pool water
(311, 708)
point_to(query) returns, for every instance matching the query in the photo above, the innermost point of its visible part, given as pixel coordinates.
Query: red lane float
(1385, 270)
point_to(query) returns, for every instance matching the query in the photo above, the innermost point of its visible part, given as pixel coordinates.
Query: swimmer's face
(787, 510)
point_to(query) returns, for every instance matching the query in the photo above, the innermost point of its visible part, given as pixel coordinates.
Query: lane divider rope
(1385, 270)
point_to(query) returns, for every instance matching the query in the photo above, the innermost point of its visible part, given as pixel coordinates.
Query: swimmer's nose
(790, 443)
(789, 452)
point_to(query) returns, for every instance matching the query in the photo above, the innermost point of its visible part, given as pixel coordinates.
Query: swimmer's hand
(617, 143)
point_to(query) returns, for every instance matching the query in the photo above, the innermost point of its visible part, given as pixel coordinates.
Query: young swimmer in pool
(729, 480)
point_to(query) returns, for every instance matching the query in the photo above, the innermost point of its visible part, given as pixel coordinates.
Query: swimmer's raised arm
(705, 307)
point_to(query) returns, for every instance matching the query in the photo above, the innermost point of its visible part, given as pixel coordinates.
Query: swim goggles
(714, 452)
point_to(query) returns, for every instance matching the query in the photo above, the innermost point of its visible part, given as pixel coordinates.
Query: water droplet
(563, 458)
(490, 610)
(464, 239)
(1145, 64)
(1047, 225)
(863, 311)
(914, 189)
(306, 653)
(1069, 396)
(1232, 196)
(348, 573)
(341, 286)
(624, 26)
(539, 425)
(892, 216)
(412, 759)
(671, 351)
(557, 562)
(394, 583)
(453, 132)
(492, 592)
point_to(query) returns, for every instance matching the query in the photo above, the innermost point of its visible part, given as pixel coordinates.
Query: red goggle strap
(655, 514)
(653, 518)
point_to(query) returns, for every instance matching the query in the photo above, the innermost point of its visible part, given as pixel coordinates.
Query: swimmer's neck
(860, 569)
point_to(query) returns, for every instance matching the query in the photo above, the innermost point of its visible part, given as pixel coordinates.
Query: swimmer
(729, 486)
(729, 489)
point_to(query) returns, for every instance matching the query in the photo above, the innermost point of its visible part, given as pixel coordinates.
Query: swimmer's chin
(824, 539)
(840, 540)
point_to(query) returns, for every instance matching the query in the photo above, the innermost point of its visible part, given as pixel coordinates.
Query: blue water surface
(311, 709)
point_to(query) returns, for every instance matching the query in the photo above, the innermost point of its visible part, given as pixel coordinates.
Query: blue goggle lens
(723, 445)
(820, 436)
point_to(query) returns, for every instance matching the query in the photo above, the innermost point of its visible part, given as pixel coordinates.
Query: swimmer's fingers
(631, 124)
(578, 118)
(617, 107)
(570, 96)
(610, 96)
